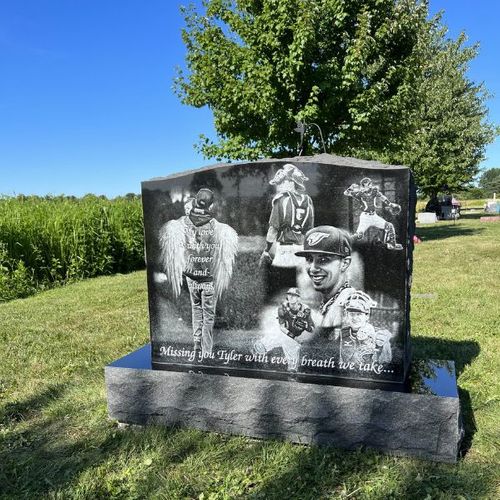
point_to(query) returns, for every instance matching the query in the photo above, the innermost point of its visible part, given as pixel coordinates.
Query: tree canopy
(377, 76)
(448, 128)
(489, 181)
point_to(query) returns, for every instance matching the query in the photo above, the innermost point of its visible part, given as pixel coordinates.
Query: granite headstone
(279, 295)
(282, 269)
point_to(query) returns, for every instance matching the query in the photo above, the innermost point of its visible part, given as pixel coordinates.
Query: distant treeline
(51, 240)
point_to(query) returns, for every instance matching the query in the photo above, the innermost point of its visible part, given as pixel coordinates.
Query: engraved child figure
(372, 199)
(202, 250)
(360, 342)
(292, 215)
(294, 318)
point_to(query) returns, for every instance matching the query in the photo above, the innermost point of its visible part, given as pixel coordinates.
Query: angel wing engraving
(226, 247)
(172, 256)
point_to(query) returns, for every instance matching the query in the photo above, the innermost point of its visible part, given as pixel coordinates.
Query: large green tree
(490, 181)
(448, 127)
(371, 73)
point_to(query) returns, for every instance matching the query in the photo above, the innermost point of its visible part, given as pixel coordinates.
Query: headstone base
(423, 423)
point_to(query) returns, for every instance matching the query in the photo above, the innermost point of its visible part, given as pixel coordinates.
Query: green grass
(464, 204)
(56, 440)
(473, 204)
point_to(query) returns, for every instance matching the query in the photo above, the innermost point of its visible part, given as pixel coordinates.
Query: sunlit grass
(56, 440)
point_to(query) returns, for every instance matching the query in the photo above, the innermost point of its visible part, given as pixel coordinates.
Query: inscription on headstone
(287, 269)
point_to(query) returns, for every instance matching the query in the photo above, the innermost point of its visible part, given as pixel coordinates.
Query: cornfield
(49, 241)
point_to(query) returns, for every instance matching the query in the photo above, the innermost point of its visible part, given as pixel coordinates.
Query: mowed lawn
(56, 439)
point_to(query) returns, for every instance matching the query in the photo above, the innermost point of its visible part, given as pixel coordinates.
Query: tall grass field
(49, 241)
(56, 240)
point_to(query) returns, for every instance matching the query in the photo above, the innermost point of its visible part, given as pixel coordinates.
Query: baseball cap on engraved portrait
(293, 291)
(291, 173)
(328, 240)
(359, 301)
(204, 198)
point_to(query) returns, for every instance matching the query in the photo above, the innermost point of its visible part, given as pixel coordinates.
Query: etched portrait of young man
(327, 252)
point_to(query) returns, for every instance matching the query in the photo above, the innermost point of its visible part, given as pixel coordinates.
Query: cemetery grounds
(56, 439)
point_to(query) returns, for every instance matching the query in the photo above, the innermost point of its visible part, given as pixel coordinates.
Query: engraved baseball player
(372, 199)
(327, 250)
(360, 342)
(294, 318)
(292, 215)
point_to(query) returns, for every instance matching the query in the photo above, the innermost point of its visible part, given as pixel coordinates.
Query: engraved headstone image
(285, 280)
(200, 250)
(369, 195)
(286, 269)
(292, 214)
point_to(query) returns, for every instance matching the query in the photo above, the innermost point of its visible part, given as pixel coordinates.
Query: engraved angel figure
(203, 250)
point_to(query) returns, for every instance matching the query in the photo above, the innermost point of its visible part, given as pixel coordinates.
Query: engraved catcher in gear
(292, 215)
(360, 342)
(294, 318)
(372, 199)
(202, 250)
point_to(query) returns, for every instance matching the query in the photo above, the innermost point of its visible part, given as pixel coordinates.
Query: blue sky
(86, 100)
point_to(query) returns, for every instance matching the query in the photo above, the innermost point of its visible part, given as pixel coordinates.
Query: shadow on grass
(462, 353)
(472, 216)
(318, 473)
(33, 461)
(441, 231)
(44, 451)
(23, 410)
(40, 457)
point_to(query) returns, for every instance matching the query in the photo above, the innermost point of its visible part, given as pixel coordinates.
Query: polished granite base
(420, 419)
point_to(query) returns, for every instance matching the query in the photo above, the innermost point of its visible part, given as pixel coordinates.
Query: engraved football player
(294, 318)
(372, 199)
(201, 249)
(292, 215)
(360, 342)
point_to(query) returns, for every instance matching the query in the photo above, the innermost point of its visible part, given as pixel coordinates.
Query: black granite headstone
(287, 269)
(295, 273)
